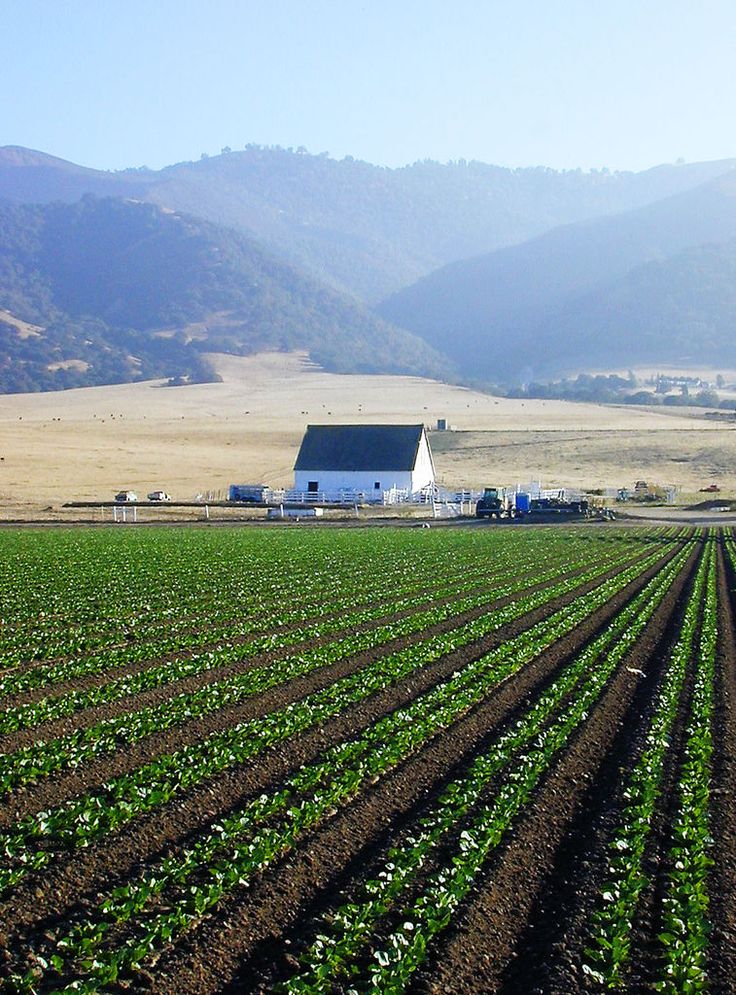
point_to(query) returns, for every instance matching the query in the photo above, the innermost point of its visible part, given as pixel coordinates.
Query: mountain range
(117, 290)
(461, 271)
(648, 285)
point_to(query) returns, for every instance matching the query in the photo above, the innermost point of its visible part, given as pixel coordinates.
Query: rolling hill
(681, 310)
(113, 276)
(587, 295)
(363, 229)
(110, 290)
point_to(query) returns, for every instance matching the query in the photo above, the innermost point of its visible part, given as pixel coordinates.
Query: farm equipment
(644, 492)
(498, 502)
(494, 503)
(550, 503)
(559, 506)
(247, 493)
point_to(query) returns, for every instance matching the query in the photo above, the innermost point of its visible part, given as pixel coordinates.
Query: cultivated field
(88, 444)
(450, 761)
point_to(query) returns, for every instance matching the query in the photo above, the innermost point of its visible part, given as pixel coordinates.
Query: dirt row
(722, 968)
(252, 930)
(87, 682)
(48, 792)
(70, 887)
(474, 954)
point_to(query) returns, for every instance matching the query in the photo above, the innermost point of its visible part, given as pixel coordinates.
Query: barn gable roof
(359, 447)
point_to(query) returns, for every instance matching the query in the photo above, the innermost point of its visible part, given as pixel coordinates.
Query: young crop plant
(521, 754)
(76, 604)
(405, 949)
(686, 903)
(248, 841)
(608, 953)
(80, 821)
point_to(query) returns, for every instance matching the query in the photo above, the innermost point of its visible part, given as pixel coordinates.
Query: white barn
(370, 459)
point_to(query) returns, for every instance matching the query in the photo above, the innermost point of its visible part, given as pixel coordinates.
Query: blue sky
(561, 83)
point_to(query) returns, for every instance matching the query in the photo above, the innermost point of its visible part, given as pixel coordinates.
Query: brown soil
(523, 929)
(508, 938)
(722, 968)
(249, 932)
(29, 799)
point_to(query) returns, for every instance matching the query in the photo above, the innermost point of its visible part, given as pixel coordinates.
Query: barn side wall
(335, 480)
(423, 473)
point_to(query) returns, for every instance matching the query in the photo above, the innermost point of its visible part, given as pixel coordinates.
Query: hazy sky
(563, 83)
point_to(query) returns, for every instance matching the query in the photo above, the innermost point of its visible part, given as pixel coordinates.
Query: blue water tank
(523, 504)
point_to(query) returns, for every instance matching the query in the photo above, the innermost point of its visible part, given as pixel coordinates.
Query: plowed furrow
(245, 928)
(519, 893)
(53, 791)
(722, 967)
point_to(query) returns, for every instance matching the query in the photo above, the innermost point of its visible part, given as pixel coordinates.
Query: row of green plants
(43, 758)
(241, 845)
(267, 608)
(147, 577)
(608, 952)
(272, 605)
(685, 915)
(79, 821)
(350, 613)
(350, 946)
(72, 591)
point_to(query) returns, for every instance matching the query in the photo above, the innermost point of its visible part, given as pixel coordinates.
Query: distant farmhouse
(366, 459)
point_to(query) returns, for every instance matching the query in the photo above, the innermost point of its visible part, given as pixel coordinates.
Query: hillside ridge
(366, 230)
(529, 310)
(139, 292)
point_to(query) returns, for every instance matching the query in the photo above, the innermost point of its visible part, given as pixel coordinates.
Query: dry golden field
(86, 444)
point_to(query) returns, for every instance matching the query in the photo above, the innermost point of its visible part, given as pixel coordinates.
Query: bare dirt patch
(24, 328)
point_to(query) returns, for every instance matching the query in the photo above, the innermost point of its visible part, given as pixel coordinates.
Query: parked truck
(248, 493)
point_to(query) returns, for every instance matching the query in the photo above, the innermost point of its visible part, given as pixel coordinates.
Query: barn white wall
(332, 481)
(423, 473)
(335, 480)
